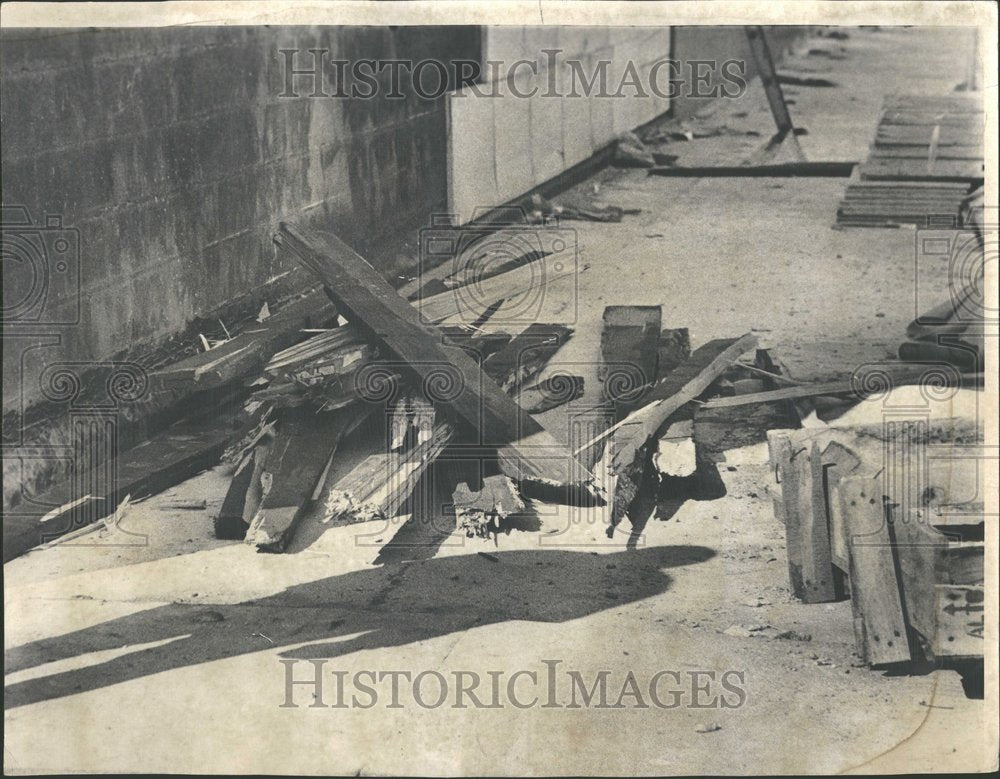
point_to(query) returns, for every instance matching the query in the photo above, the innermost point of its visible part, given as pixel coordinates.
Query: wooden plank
(781, 451)
(874, 586)
(896, 170)
(526, 451)
(175, 455)
(683, 385)
(819, 581)
(243, 496)
(786, 169)
(909, 376)
(299, 455)
(622, 457)
(799, 468)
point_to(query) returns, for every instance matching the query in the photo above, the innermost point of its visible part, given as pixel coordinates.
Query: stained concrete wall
(170, 156)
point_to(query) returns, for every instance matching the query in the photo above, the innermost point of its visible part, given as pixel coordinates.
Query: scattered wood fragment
(479, 514)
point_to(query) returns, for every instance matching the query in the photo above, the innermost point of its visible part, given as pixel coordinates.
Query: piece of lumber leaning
(525, 450)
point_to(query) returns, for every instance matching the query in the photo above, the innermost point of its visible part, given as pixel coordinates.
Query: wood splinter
(480, 513)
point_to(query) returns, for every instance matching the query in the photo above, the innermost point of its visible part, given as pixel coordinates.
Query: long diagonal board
(525, 450)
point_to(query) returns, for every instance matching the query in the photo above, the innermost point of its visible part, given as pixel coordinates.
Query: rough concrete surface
(157, 628)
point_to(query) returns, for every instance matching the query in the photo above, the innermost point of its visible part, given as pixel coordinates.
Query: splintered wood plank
(799, 467)
(526, 451)
(629, 352)
(181, 451)
(379, 485)
(480, 513)
(818, 579)
(875, 589)
(301, 450)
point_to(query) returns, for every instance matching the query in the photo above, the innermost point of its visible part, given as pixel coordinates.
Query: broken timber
(301, 450)
(526, 451)
(620, 467)
(480, 513)
(378, 486)
(250, 350)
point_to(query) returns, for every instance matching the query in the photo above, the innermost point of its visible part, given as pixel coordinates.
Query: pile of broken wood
(409, 388)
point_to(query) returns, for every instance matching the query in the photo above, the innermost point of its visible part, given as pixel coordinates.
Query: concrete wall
(169, 156)
(502, 146)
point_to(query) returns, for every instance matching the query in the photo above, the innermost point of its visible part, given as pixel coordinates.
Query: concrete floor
(157, 648)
